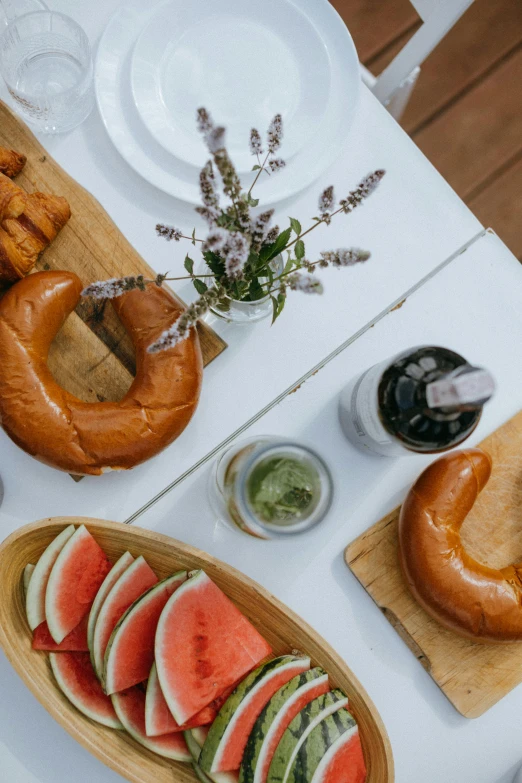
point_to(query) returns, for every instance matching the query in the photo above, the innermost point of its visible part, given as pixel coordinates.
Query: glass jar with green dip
(271, 488)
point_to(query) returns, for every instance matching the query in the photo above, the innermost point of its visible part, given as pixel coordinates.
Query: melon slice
(76, 679)
(75, 578)
(108, 583)
(275, 719)
(195, 739)
(75, 641)
(35, 595)
(224, 747)
(134, 581)
(299, 729)
(130, 651)
(130, 709)
(331, 753)
(215, 646)
(28, 572)
(158, 717)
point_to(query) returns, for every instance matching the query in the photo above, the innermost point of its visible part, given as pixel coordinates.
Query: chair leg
(398, 101)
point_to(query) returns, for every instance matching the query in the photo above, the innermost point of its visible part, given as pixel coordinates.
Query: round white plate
(172, 175)
(245, 62)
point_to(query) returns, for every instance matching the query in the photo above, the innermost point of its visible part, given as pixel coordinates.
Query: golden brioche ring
(482, 603)
(90, 438)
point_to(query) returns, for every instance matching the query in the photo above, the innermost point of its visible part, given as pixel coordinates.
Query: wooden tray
(92, 356)
(283, 629)
(473, 676)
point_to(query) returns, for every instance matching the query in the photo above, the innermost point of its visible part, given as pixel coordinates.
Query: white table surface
(413, 225)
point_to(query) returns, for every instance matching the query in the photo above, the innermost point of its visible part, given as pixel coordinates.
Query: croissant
(11, 162)
(28, 224)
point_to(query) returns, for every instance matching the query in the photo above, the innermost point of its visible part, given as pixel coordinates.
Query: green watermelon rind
(35, 595)
(119, 567)
(125, 619)
(26, 577)
(299, 729)
(80, 706)
(146, 742)
(224, 724)
(194, 747)
(269, 720)
(317, 745)
(330, 754)
(97, 656)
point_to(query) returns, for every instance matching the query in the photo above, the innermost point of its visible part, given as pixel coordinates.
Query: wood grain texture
(473, 676)
(375, 24)
(283, 629)
(92, 356)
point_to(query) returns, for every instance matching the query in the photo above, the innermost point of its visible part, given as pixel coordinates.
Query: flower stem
(258, 173)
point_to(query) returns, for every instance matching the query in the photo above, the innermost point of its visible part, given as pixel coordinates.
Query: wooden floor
(466, 110)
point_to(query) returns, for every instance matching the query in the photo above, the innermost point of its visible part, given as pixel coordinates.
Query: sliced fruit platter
(169, 665)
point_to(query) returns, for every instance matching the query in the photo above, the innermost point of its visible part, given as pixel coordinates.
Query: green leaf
(271, 251)
(256, 168)
(189, 265)
(255, 290)
(194, 237)
(277, 306)
(289, 264)
(253, 201)
(200, 286)
(296, 226)
(274, 309)
(299, 249)
(215, 263)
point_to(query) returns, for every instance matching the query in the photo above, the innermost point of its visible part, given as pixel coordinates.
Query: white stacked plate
(245, 62)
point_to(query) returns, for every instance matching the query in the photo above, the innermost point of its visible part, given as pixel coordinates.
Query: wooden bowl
(283, 629)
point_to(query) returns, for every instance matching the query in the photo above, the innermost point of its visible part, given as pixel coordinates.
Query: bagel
(481, 603)
(90, 438)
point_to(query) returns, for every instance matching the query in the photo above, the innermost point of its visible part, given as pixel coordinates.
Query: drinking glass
(45, 59)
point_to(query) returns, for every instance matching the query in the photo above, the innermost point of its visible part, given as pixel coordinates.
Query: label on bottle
(359, 414)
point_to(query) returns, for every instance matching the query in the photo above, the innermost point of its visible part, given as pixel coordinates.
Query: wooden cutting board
(92, 356)
(473, 676)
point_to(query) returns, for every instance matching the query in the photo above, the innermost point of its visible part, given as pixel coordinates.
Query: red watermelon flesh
(343, 762)
(75, 641)
(37, 586)
(134, 581)
(293, 707)
(214, 643)
(130, 651)
(130, 708)
(76, 679)
(158, 717)
(76, 575)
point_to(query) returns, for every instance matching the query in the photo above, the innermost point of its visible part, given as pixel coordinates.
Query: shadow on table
(38, 742)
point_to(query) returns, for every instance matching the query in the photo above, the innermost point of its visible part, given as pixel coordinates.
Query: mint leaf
(296, 226)
(255, 290)
(200, 286)
(189, 265)
(271, 251)
(256, 168)
(194, 237)
(299, 249)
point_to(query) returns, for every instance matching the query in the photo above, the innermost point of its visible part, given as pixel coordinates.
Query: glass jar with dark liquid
(427, 399)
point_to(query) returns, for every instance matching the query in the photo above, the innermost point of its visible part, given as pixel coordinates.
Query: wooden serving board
(283, 629)
(92, 356)
(473, 676)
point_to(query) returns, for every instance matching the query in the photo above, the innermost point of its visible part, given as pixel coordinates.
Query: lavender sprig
(275, 134)
(180, 329)
(168, 232)
(362, 191)
(256, 145)
(308, 284)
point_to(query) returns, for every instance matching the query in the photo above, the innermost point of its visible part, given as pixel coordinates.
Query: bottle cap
(466, 385)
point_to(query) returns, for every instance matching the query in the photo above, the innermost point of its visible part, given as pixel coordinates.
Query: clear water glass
(45, 59)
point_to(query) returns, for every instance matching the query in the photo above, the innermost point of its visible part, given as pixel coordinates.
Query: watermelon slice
(130, 709)
(76, 641)
(215, 646)
(35, 595)
(224, 747)
(28, 572)
(134, 581)
(75, 578)
(130, 651)
(158, 718)
(275, 719)
(108, 583)
(299, 729)
(195, 739)
(76, 679)
(331, 753)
